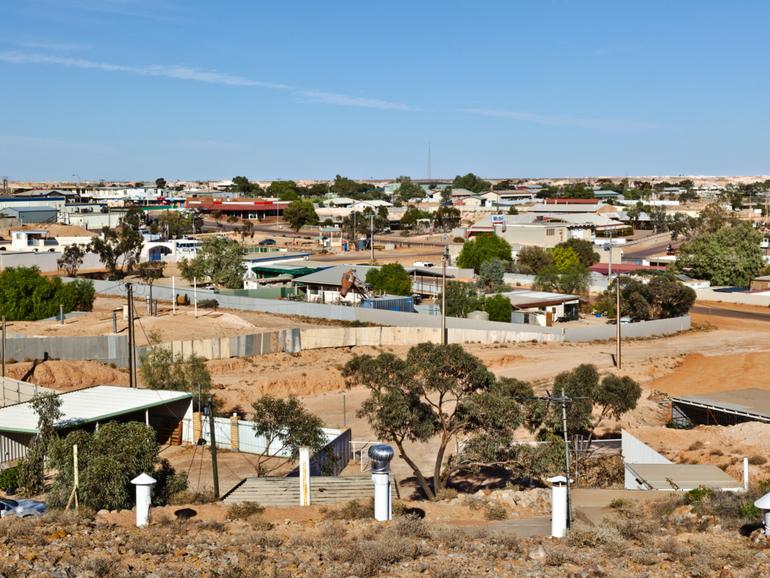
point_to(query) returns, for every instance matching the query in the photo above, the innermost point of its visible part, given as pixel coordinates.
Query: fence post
(197, 426)
(235, 442)
(304, 476)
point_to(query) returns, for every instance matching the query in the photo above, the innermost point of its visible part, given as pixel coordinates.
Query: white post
(147, 417)
(195, 295)
(763, 504)
(143, 484)
(173, 295)
(380, 455)
(745, 474)
(304, 476)
(558, 506)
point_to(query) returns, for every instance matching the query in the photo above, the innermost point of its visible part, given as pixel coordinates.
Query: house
(173, 250)
(53, 238)
(531, 230)
(542, 307)
(87, 409)
(243, 208)
(49, 203)
(25, 214)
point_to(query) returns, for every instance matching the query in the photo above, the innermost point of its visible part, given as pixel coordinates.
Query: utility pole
(563, 400)
(444, 258)
(214, 470)
(131, 337)
(617, 322)
(2, 354)
(371, 238)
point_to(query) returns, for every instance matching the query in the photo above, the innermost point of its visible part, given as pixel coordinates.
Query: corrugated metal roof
(750, 402)
(99, 403)
(682, 476)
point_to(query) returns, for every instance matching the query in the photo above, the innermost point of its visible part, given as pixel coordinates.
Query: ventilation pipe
(381, 454)
(763, 504)
(558, 506)
(143, 484)
(745, 474)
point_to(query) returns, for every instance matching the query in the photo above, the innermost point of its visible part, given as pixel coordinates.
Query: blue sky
(135, 89)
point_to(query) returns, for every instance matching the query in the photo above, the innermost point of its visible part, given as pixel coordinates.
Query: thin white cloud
(555, 120)
(347, 100)
(180, 72)
(53, 46)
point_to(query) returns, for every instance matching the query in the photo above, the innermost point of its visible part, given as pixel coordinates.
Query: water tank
(380, 454)
(479, 315)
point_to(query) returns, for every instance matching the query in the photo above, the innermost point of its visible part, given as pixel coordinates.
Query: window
(550, 232)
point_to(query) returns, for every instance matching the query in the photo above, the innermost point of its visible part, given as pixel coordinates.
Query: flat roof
(92, 404)
(682, 476)
(751, 402)
(527, 298)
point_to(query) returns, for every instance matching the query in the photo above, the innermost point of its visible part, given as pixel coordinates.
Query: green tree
(284, 190)
(532, 260)
(160, 183)
(118, 249)
(660, 298)
(345, 187)
(499, 308)
(244, 186)
(285, 424)
(108, 459)
(149, 272)
(574, 278)
(26, 295)
(461, 299)
(300, 213)
(390, 279)
(161, 369)
(438, 391)
(408, 189)
(583, 249)
(412, 215)
(177, 224)
(71, 259)
(446, 218)
(564, 257)
(471, 182)
(729, 256)
(513, 211)
(482, 248)
(491, 273)
(220, 260)
(47, 407)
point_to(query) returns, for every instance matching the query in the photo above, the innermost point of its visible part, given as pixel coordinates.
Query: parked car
(267, 242)
(424, 264)
(21, 508)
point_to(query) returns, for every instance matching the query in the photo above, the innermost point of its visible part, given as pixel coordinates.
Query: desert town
(264, 334)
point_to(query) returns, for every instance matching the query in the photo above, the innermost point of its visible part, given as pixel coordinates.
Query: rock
(536, 553)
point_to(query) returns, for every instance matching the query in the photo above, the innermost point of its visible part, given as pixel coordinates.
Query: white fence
(15, 391)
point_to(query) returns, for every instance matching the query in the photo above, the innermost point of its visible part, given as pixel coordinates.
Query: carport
(722, 408)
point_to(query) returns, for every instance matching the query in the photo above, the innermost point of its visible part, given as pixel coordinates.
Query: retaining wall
(742, 298)
(104, 348)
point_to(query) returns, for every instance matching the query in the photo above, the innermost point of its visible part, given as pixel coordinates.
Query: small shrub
(352, 510)
(716, 452)
(410, 527)
(698, 495)
(757, 460)
(696, 446)
(244, 510)
(208, 304)
(447, 494)
(9, 478)
(495, 511)
(191, 497)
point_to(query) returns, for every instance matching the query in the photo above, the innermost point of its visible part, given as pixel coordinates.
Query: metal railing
(360, 454)
(14, 391)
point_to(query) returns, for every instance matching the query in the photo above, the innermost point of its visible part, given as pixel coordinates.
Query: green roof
(294, 271)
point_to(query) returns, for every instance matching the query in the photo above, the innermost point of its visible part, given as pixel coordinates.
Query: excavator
(352, 282)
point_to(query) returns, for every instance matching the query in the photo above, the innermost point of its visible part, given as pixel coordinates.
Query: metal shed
(87, 408)
(722, 408)
(31, 214)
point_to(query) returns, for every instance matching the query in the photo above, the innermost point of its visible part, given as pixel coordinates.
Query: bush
(493, 511)
(26, 295)
(244, 510)
(352, 510)
(208, 304)
(757, 460)
(9, 478)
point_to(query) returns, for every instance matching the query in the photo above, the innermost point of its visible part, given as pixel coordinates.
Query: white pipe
(745, 474)
(558, 510)
(143, 484)
(382, 505)
(304, 476)
(173, 295)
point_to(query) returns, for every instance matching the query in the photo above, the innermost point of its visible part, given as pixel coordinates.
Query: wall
(43, 260)
(743, 298)
(104, 348)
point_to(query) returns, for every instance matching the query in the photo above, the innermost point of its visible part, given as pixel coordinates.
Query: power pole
(2, 354)
(131, 338)
(566, 455)
(617, 322)
(444, 258)
(371, 238)
(214, 470)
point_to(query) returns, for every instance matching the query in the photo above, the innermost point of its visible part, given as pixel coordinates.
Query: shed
(163, 410)
(722, 407)
(31, 214)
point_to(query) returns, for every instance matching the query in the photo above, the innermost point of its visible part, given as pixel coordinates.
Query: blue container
(390, 303)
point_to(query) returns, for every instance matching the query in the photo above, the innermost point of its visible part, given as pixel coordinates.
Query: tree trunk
(438, 482)
(418, 474)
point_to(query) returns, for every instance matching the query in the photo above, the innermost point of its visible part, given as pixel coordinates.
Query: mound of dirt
(69, 375)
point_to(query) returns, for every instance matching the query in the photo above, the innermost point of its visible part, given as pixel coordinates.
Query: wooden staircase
(285, 491)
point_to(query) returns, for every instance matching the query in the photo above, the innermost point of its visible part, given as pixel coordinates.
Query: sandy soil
(167, 326)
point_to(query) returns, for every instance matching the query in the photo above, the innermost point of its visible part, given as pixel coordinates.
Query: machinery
(351, 282)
